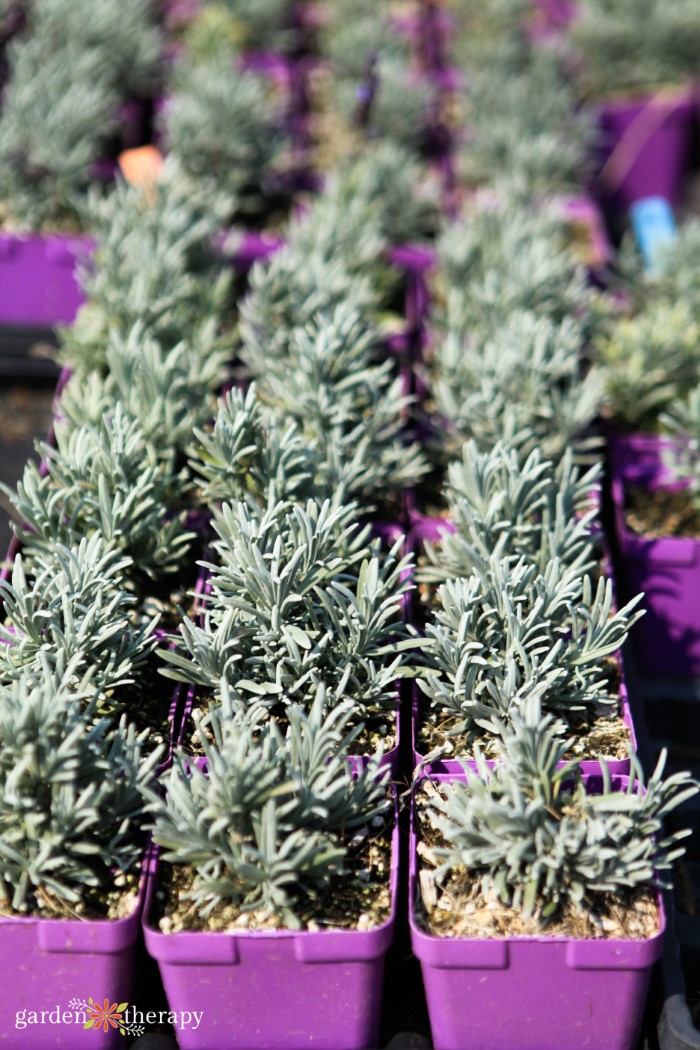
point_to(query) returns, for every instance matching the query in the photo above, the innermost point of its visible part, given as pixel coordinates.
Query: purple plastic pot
(533, 993)
(646, 148)
(55, 961)
(667, 639)
(38, 282)
(279, 990)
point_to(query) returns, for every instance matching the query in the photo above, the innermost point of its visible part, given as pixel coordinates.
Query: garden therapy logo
(105, 1016)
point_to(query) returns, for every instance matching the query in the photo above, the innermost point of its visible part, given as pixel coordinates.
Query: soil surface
(661, 512)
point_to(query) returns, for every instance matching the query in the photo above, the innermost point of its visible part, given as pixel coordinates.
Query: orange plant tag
(142, 166)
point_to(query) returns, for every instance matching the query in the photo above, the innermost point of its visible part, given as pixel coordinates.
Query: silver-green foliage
(350, 43)
(167, 390)
(58, 110)
(676, 275)
(262, 25)
(155, 263)
(347, 403)
(225, 128)
(290, 290)
(400, 106)
(125, 37)
(105, 480)
(247, 455)
(71, 783)
(508, 630)
(68, 75)
(366, 207)
(504, 257)
(524, 383)
(648, 360)
(636, 46)
(270, 821)
(503, 507)
(541, 844)
(527, 122)
(299, 597)
(74, 607)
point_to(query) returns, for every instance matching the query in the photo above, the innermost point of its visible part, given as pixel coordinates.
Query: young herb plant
(298, 597)
(71, 796)
(503, 507)
(226, 129)
(73, 609)
(525, 836)
(105, 480)
(271, 821)
(509, 629)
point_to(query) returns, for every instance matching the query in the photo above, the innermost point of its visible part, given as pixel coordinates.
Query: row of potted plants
(156, 320)
(493, 373)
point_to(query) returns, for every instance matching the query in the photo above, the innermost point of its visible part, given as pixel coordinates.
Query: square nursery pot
(279, 990)
(646, 147)
(56, 965)
(38, 278)
(533, 993)
(666, 641)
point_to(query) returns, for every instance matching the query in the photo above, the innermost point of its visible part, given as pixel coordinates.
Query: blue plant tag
(654, 227)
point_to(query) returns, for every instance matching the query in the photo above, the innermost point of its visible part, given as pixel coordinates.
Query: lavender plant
(68, 75)
(261, 25)
(298, 597)
(648, 360)
(73, 606)
(509, 258)
(351, 44)
(155, 264)
(629, 47)
(377, 200)
(347, 404)
(105, 480)
(528, 122)
(59, 109)
(271, 821)
(508, 629)
(524, 384)
(126, 39)
(166, 392)
(526, 836)
(71, 795)
(225, 128)
(503, 507)
(287, 292)
(247, 455)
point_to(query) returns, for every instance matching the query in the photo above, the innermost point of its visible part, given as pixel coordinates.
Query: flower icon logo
(109, 1014)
